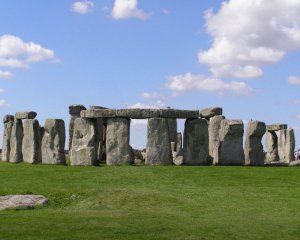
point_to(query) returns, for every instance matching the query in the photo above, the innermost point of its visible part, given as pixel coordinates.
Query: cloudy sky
(240, 55)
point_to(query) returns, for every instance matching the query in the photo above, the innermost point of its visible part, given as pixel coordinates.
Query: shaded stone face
(172, 123)
(254, 153)
(8, 124)
(83, 151)
(272, 147)
(195, 142)
(179, 142)
(158, 151)
(16, 142)
(31, 141)
(231, 143)
(53, 142)
(74, 111)
(25, 115)
(118, 150)
(214, 137)
(211, 112)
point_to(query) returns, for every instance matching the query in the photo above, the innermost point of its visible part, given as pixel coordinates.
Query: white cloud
(139, 123)
(150, 95)
(249, 34)
(82, 7)
(294, 80)
(123, 9)
(3, 103)
(189, 82)
(157, 104)
(5, 74)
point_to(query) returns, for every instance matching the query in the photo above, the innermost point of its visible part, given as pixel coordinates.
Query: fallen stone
(158, 151)
(195, 142)
(53, 142)
(276, 127)
(118, 150)
(214, 137)
(8, 124)
(83, 150)
(25, 115)
(272, 147)
(16, 139)
(277, 164)
(231, 143)
(254, 152)
(22, 201)
(295, 163)
(211, 112)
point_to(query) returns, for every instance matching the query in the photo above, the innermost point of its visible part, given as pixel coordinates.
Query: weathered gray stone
(158, 150)
(254, 152)
(25, 115)
(8, 118)
(195, 142)
(31, 141)
(295, 163)
(118, 150)
(99, 113)
(100, 137)
(272, 147)
(22, 201)
(8, 124)
(286, 145)
(137, 113)
(74, 111)
(211, 112)
(83, 150)
(231, 143)
(53, 142)
(97, 107)
(179, 142)
(176, 113)
(214, 137)
(16, 142)
(172, 123)
(276, 127)
(178, 159)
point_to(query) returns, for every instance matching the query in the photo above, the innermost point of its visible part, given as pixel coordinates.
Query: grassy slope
(153, 202)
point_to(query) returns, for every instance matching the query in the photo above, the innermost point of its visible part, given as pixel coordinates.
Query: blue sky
(240, 55)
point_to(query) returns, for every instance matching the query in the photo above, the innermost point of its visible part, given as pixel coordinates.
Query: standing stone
(83, 150)
(179, 142)
(214, 137)
(231, 143)
(53, 142)
(118, 150)
(195, 142)
(158, 151)
(16, 142)
(281, 144)
(272, 147)
(8, 121)
(31, 141)
(74, 111)
(286, 145)
(254, 152)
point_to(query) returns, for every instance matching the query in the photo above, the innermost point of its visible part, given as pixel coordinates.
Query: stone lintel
(210, 112)
(276, 127)
(25, 115)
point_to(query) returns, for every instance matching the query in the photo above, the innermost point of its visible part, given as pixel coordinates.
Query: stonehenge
(100, 135)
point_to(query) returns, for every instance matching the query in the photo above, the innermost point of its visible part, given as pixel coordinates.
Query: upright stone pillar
(272, 147)
(83, 150)
(172, 123)
(254, 152)
(286, 145)
(53, 142)
(231, 143)
(158, 151)
(195, 142)
(179, 143)
(282, 144)
(31, 141)
(74, 111)
(16, 142)
(118, 150)
(8, 121)
(214, 137)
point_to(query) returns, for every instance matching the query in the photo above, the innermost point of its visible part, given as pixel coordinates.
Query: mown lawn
(172, 202)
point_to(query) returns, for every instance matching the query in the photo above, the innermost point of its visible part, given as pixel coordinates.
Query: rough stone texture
(22, 201)
(74, 111)
(158, 151)
(254, 151)
(83, 150)
(277, 164)
(53, 142)
(31, 141)
(8, 124)
(97, 107)
(139, 113)
(8, 118)
(210, 112)
(25, 115)
(118, 150)
(16, 142)
(231, 143)
(100, 136)
(276, 127)
(195, 142)
(178, 159)
(172, 123)
(272, 147)
(214, 137)
(179, 142)
(295, 163)
(286, 145)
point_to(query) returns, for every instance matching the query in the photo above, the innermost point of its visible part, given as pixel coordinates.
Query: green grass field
(172, 202)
